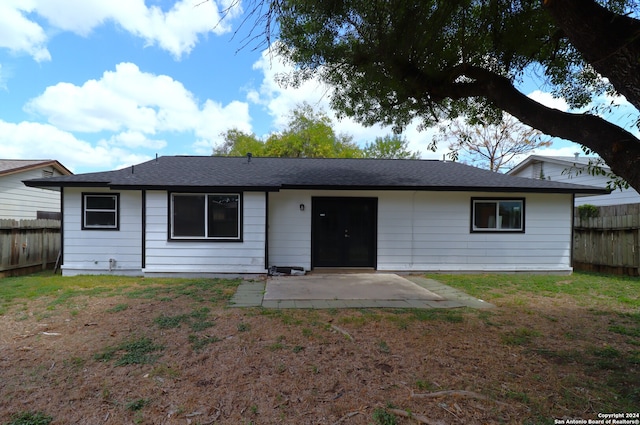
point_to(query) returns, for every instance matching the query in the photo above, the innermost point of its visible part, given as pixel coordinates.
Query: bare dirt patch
(523, 362)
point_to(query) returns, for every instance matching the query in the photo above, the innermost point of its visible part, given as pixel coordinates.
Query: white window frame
(498, 225)
(237, 238)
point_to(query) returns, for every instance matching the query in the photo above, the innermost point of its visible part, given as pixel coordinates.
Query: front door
(343, 232)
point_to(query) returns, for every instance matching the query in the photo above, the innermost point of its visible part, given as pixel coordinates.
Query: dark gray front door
(343, 232)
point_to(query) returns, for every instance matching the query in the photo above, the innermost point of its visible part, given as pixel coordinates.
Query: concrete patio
(352, 290)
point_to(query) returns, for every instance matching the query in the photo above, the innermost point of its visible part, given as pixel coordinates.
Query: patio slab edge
(251, 294)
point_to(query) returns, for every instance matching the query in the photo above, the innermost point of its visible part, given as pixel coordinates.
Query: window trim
(497, 200)
(85, 226)
(205, 238)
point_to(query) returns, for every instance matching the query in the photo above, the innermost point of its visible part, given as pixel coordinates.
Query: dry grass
(532, 359)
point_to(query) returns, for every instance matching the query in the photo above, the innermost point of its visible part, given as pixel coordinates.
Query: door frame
(373, 246)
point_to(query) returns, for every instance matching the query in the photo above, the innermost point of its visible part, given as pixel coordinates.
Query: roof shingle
(238, 173)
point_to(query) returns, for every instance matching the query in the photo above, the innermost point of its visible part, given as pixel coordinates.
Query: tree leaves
(393, 62)
(309, 135)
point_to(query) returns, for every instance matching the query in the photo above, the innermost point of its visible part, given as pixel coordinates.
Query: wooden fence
(610, 242)
(28, 245)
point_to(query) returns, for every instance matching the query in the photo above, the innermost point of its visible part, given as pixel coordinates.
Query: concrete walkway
(360, 290)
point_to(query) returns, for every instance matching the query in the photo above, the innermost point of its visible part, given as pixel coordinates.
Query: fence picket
(28, 245)
(609, 242)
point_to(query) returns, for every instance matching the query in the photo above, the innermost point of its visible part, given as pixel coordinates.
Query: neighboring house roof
(12, 166)
(567, 161)
(242, 173)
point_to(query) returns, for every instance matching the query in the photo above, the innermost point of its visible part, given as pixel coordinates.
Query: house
(19, 202)
(183, 215)
(574, 169)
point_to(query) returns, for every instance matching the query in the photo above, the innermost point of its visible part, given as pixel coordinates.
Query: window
(211, 216)
(497, 215)
(100, 211)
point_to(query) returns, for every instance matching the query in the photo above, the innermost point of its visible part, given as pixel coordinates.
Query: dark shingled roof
(271, 174)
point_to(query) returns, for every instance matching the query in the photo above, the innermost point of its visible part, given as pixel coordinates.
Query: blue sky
(103, 84)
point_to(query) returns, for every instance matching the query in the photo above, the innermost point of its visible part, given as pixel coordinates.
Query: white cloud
(176, 30)
(129, 100)
(615, 109)
(548, 100)
(612, 108)
(215, 119)
(136, 140)
(42, 141)
(81, 17)
(18, 33)
(280, 101)
(133, 111)
(93, 107)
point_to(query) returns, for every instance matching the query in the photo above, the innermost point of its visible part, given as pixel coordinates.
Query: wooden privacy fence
(28, 245)
(609, 242)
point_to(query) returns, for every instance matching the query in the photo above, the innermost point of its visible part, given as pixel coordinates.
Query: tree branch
(616, 146)
(608, 41)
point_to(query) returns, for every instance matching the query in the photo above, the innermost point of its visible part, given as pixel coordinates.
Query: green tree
(389, 147)
(393, 61)
(492, 146)
(308, 135)
(239, 143)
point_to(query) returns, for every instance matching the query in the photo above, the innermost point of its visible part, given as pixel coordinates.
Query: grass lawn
(598, 291)
(60, 290)
(105, 349)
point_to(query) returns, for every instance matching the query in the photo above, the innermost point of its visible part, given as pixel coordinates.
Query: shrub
(587, 211)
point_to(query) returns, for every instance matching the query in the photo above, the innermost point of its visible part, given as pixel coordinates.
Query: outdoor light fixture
(301, 207)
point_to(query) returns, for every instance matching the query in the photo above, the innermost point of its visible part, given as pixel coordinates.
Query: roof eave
(586, 190)
(184, 188)
(52, 163)
(46, 184)
(532, 158)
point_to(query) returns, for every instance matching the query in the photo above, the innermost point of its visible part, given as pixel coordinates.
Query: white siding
(20, 202)
(89, 251)
(290, 229)
(416, 231)
(557, 172)
(430, 231)
(165, 257)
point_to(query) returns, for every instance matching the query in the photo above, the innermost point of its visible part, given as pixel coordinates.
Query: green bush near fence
(587, 211)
